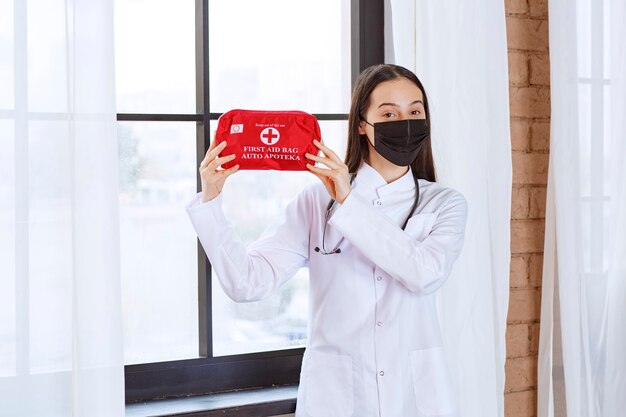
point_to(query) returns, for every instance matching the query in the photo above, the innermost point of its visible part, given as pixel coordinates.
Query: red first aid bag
(268, 139)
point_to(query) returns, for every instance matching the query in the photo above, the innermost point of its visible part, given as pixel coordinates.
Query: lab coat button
(379, 278)
(379, 203)
(379, 324)
(381, 373)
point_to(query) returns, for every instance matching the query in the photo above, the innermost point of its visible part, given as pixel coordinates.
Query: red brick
(527, 236)
(512, 7)
(524, 305)
(535, 270)
(520, 202)
(539, 68)
(520, 404)
(520, 135)
(518, 68)
(534, 338)
(540, 136)
(538, 8)
(530, 102)
(521, 373)
(530, 168)
(527, 34)
(537, 202)
(517, 340)
(519, 272)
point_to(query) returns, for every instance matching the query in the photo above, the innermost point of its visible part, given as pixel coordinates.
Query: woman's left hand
(336, 179)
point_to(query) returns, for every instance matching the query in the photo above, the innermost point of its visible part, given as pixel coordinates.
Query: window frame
(208, 374)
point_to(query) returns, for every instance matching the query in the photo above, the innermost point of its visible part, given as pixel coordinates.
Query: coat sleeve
(421, 266)
(255, 272)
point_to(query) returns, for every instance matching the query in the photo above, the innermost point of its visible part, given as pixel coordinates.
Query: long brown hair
(358, 151)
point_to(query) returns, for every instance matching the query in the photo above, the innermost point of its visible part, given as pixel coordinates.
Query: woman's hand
(336, 179)
(213, 179)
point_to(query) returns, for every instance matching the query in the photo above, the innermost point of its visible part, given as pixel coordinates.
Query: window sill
(263, 402)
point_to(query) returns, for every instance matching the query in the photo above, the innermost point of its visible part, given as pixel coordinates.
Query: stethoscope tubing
(331, 203)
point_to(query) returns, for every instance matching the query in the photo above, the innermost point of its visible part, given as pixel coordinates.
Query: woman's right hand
(213, 179)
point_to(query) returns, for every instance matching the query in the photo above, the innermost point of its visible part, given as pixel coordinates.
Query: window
(594, 105)
(180, 65)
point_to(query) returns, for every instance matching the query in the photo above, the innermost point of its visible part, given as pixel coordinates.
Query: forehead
(400, 91)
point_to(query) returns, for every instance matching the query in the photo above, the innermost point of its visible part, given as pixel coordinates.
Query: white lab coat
(374, 347)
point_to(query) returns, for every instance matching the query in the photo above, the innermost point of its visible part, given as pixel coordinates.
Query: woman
(377, 252)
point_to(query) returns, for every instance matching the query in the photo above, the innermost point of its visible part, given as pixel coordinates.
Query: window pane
(583, 28)
(585, 137)
(158, 245)
(279, 321)
(155, 56)
(280, 54)
(47, 74)
(7, 61)
(49, 256)
(7, 249)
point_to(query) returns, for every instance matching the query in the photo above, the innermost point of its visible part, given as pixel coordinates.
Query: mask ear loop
(365, 135)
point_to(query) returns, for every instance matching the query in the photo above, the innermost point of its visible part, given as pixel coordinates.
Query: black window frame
(208, 374)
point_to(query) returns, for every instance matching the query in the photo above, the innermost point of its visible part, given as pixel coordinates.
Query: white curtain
(458, 49)
(60, 310)
(582, 347)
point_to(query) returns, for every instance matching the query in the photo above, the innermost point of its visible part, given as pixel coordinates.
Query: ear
(362, 125)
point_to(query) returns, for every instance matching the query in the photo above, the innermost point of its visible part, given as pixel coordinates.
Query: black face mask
(400, 141)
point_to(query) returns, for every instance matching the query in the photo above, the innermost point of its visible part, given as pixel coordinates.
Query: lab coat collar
(371, 180)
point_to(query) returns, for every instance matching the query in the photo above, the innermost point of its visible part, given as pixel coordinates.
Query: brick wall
(529, 85)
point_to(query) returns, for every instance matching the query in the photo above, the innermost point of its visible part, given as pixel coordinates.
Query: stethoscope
(330, 205)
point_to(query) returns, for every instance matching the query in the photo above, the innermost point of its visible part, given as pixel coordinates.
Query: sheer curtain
(60, 310)
(582, 361)
(458, 49)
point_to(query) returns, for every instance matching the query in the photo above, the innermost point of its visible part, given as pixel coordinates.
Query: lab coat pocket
(431, 381)
(420, 225)
(329, 385)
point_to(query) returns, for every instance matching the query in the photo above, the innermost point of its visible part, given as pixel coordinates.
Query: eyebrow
(395, 105)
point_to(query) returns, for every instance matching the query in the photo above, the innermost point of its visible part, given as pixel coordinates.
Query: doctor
(379, 236)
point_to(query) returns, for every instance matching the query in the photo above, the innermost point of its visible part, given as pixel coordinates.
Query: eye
(415, 112)
(388, 115)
